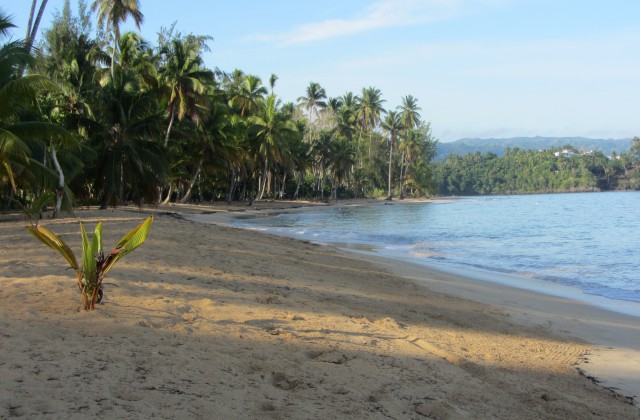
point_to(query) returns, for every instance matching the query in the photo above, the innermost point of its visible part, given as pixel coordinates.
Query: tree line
(103, 117)
(520, 171)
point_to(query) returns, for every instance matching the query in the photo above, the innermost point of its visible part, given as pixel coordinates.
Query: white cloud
(378, 15)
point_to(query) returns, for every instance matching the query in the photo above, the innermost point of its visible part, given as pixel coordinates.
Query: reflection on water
(590, 241)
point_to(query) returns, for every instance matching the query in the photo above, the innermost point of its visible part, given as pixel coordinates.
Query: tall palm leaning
(184, 77)
(111, 14)
(32, 26)
(391, 125)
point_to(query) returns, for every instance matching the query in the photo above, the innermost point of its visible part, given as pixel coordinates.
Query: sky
(479, 68)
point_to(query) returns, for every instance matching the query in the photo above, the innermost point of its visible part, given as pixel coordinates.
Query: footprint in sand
(285, 382)
(440, 410)
(334, 357)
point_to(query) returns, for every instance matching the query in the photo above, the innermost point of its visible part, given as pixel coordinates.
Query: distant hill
(499, 146)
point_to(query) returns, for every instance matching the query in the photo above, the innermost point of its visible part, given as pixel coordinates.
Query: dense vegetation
(103, 117)
(500, 146)
(526, 171)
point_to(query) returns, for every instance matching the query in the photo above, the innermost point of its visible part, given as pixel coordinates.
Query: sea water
(588, 241)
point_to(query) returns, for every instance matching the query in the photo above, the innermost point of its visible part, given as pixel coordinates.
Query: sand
(208, 321)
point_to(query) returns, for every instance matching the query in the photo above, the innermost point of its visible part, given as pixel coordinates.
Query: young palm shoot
(95, 265)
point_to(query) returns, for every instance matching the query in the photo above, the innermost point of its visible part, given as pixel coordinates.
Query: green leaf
(97, 240)
(52, 241)
(128, 243)
(88, 258)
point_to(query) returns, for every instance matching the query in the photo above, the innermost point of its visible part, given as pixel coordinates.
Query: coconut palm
(272, 129)
(409, 112)
(418, 149)
(111, 14)
(410, 118)
(249, 96)
(209, 137)
(334, 104)
(341, 163)
(392, 126)
(344, 119)
(32, 25)
(322, 150)
(272, 81)
(313, 102)
(20, 125)
(369, 111)
(124, 130)
(184, 77)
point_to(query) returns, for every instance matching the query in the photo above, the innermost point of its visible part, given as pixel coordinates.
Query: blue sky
(479, 68)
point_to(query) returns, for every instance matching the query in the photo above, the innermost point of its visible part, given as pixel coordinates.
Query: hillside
(499, 146)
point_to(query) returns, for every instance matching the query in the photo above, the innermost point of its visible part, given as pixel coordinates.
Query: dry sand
(208, 321)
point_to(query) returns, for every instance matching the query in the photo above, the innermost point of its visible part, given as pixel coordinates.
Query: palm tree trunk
(284, 182)
(113, 56)
(321, 181)
(172, 113)
(60, 187)
(270, 180)
(264, 178)
(31, 13)
(298, 182)
(334, 189)
(187, 195)
(121, 191)
(32, 27)
(390, 160)
(167, 200)
(233, 183)
(403, 172)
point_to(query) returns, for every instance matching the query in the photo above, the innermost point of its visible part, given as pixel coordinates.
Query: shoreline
(613, 364)
(207, 318)
(545, 287)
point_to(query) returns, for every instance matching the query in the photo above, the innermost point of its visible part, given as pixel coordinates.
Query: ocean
(587, 241)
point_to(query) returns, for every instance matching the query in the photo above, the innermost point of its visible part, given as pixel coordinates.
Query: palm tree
(32, 25)
(15, 93)
(272, 128)
(249, 96)
(20, 123)
(322, 150)
(334, 104)
(272, 81)
(300, 154)
(111, 14)
(418, 149)
(341, 163)
(184, 77)
(369, 111)
(410, 118)
(123, 131)
(312, 102)
(392, 126)
(409, 112)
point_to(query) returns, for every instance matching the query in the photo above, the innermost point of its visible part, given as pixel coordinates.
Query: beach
(209, 321)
